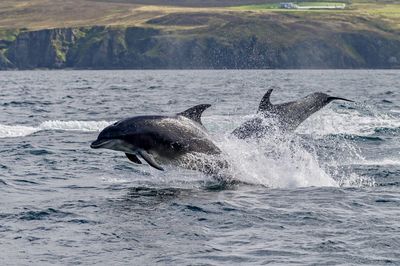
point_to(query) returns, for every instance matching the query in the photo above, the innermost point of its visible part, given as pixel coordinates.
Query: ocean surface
(329, 194)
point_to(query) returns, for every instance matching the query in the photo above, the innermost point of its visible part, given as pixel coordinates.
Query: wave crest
(349, 122)
(7, 131)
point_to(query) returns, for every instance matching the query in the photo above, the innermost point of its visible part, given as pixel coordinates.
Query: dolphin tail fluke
(133, 158)
(330, 99)
(195, 112)
(150, 160)
(265, 103)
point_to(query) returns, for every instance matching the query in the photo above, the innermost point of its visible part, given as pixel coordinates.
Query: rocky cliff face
(144, 48)
(41, 49)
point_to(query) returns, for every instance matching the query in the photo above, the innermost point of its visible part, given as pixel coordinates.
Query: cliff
(281, 41)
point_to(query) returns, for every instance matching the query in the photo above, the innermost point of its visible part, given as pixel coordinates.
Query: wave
(348, 122)
(7, 131)
(384, 162)
(88, 126)
(16, 131)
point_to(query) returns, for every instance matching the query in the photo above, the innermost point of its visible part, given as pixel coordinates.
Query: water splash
(312, 158)
(354, 180)
(277, 160)
(274, 162)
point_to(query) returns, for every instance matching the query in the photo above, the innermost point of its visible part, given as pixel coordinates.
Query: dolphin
(158, 139)
(283, 117)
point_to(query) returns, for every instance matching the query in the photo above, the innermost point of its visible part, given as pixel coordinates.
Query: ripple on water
(39, 152)
(46, 214)
(328, 197)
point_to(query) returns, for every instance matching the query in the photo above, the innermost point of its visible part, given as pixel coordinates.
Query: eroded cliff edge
(182, 41)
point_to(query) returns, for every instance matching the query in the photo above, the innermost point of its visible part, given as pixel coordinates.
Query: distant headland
(183, 34)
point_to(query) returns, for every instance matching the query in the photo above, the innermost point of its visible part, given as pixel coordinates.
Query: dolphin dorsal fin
(265, 103)
(195, 112)
(330, 99)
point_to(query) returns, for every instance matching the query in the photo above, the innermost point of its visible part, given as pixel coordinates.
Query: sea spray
(282, 160)
(312, 157)
(274, 162)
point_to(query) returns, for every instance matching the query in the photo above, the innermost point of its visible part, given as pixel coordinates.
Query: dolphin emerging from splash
(284, 117)
(157, 139)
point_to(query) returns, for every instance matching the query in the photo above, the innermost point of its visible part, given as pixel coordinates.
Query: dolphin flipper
(195, 112)
(133, 158)
(150, 160)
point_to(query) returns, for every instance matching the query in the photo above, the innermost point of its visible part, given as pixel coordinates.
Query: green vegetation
(257, 7)
(44, 14)
(277, 5)
(91, 37)
(8, 34)
(60, 54)
(320, 3)
(247, 33)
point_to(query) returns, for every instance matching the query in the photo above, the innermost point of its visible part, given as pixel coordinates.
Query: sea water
(327, 194)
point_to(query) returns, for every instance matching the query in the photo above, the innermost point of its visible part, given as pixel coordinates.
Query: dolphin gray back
(154, 137)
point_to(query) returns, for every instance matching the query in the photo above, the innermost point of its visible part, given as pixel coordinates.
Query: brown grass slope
(127, 34)
(44, 14)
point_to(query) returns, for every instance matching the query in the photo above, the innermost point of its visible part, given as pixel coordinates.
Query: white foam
(281, 161)
(16, 131)
(354, 180)
(88, 126)
(7, 131)
(274, 162)
(114, 180)
(384, 162)
(351, 122)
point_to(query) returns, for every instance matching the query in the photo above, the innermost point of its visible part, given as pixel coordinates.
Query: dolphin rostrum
(158, 139)
(284, 117)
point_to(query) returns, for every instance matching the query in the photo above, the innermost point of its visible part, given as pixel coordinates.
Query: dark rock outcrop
(41, 49)
(144, 48)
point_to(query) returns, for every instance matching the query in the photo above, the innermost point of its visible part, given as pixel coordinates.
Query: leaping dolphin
(158, 139)
(284, 117)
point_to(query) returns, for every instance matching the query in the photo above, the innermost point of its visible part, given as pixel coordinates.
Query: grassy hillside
(180, 34)
(43, 14)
